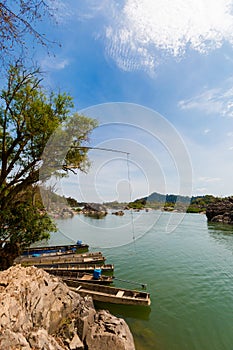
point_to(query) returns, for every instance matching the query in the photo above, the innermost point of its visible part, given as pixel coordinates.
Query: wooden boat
(109, 294)
(79, 247)
(73, 268)
(87, 258)
(80, 276)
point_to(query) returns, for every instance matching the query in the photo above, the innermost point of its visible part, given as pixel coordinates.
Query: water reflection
(126, 311)
(222, 233)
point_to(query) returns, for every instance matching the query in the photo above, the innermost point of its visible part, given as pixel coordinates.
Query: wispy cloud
(209, 179)
(213, 101)
(201, 190)
(62, 10)
(54, 63)
(142, 32)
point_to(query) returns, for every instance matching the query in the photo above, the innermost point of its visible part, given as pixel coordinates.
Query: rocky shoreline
(39, 312)
(221, 210)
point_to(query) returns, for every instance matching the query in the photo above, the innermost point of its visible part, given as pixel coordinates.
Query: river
(188, 271)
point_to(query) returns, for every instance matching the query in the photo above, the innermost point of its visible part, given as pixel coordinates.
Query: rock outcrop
(221, 210)
(98, 337)
(118, 213)
(95, 210)
(38, 311)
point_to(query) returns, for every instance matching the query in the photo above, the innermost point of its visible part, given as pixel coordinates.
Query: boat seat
(86, 277)
(120, 293)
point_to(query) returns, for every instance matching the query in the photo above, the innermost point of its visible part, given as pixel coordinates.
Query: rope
(63, 234)
(130, 199)
(129, 179)
(144, 285)
(101, 149)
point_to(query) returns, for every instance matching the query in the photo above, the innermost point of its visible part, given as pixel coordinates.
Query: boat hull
(110, 294)
(86, 258)
(74, 248)
(78, 267)
(78, 277)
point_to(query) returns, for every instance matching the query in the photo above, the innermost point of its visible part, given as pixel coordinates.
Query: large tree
(39, 137)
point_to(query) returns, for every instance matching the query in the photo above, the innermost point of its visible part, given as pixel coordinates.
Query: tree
(38, 138)
(18, 21)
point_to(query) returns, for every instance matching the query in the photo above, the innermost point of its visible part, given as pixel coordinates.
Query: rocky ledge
(39, 312)
(221, 210)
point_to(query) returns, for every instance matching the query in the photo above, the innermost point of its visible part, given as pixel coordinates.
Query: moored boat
(95, 257)
(96, 277)
(73, 268)
(110, 294)
(79, 247)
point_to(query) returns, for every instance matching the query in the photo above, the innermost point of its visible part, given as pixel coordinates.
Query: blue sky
(170, 66)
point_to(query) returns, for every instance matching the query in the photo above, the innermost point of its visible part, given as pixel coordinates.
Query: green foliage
(138, 204)
(199, 204)
(26, 222)
(72, 202)
(30, 120)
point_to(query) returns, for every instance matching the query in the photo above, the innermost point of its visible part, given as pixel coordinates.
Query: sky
(158, 76)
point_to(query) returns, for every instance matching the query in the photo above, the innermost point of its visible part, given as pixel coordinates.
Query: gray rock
(42, 340)
(36, 300)
(38, 311)
(85, 317)
(109, 332)
(94, 209)
(118, 213)
(221, 210)
(76, 343)
(13, 341)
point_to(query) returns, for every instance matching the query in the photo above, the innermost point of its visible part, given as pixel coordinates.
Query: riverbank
(38, 311)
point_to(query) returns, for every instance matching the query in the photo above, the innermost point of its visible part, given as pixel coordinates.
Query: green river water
(188, 272)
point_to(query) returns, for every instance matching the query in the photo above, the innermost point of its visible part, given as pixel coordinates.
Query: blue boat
(79, 247)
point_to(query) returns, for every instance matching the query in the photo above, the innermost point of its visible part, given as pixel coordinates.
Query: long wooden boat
(95, 257)
(79, 247)
(110, 294)
(81, 277)
(73, 268)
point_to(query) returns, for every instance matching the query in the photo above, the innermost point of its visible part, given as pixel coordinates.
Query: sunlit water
(188, 272)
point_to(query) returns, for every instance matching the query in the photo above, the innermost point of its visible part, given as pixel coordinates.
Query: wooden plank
(120, 293)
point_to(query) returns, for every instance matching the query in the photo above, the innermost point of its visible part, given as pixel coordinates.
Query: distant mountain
(165, 198)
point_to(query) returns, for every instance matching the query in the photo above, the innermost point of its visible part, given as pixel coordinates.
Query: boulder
(118, 213)
(36, 300)
(39, 311)
(109, 332)
(221, 210)
(95, 210)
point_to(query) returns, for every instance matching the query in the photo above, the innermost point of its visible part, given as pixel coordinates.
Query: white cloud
(54, 63)
(213, 101)
(209, 179)
(202, 190)
(142, 32)
(60, 10)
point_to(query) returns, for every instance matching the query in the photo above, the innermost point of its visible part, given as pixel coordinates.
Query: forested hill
(194, 204)
(167, 198)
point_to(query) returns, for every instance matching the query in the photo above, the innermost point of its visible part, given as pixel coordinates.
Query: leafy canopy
(39, 137)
